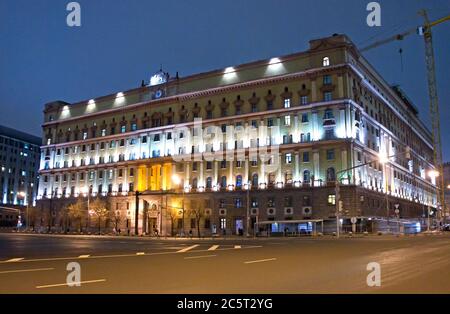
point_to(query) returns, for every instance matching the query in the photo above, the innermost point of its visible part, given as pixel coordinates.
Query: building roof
(19, 135)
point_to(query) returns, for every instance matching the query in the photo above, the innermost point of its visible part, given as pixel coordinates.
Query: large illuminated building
(321, 115)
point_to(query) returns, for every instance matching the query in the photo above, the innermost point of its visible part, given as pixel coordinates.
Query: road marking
(68, 258)
(83, 256)
(193, 257)
(12, 260)
(188, 248)
(73, 283)
(238, 247)
(260, 261)
(213, 248)
(140, 253)
(24, 270)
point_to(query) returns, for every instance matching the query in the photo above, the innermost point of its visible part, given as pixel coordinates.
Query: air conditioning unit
(208, 211)
(254, 211)
(222, 212)
(271, 211)
(288, 210)
(307, 211)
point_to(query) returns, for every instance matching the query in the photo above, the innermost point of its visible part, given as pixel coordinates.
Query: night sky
(122, 42)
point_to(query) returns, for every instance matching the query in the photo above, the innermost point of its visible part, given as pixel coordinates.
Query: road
(37, 264)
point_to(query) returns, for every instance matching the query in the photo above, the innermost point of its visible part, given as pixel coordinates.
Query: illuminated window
(304, 100)
(287, 120)
(103, 132)
(331, 199)
(326, 61)
(288, 158)
(287, 103)
(123, 129)
(85, 135)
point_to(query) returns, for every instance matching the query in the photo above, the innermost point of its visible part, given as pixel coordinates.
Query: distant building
(19, 165)
(447, 184)
(325, 114)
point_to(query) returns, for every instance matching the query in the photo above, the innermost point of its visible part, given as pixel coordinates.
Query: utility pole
(337, 203)
(136, 214)
(248, 210)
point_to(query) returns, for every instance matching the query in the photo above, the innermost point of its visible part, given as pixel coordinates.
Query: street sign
(353, 220)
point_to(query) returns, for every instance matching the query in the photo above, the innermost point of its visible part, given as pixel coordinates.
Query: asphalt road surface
(38, 264)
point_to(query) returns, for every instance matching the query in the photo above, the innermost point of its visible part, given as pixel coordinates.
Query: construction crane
(425, 31)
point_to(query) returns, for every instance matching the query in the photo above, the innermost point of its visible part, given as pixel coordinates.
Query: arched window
(331, 174)
(194, 183)
(223, 182)
(306, 176)
(326, 61)
(208, 182)
(239, 181)
(255, 180)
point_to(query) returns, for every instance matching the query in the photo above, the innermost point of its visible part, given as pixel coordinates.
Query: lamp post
(384, 160)
(247, 227)
(177, 181)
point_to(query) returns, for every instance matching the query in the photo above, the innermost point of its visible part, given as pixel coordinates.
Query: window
(304, 100)
(327, 96)
(287, 120)
(254, 108)
(270, 122)
(288, 158)
(305, 118)
(123, 129)
(287, 103)
(239, 181)
(329, 134)
(330, 154)
(331, 200)
(306, 176)
(223, 223)
(328, 114)
(208, 182)
(305, 156)
(103, 132)
(238, 202)
(331, 174)
(85, 135)
(133, 127)
(131, 172)
(326, 80)
(255, 180)
(326, 61)
(156, 138)
(223, 164)
(223, 182)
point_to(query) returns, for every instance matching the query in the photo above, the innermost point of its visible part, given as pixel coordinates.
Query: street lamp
(383, 159)
(177, 181)
(22, 194)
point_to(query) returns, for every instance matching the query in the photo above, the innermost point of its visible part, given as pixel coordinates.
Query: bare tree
(172, 214)
(100, 209)
(116, 219)
(197, 213)
(76, 211)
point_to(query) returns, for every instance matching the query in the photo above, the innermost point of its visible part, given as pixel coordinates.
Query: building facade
(19, 167)
(255, 147)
